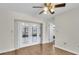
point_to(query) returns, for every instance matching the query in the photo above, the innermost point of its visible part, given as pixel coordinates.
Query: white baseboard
(7, 50)
(66, 50)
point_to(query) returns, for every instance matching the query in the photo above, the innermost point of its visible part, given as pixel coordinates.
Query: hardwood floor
(45, 49)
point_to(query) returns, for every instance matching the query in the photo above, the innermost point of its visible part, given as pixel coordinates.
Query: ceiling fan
(50, 7)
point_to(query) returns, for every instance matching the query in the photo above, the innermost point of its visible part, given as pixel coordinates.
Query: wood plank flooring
(45, 49)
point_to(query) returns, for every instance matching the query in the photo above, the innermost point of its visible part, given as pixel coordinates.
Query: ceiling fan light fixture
(45, 9)
(52, 7)
(45, 12)
(52, 10)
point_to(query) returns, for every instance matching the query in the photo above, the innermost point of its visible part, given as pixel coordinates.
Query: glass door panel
(28, 34)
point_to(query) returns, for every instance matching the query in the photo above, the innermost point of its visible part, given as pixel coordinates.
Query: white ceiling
(26, 8)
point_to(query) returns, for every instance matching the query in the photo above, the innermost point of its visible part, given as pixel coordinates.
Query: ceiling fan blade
(37, 7)
(60, 5)
(41, 12)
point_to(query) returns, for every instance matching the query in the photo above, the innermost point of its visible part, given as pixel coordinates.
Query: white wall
(5, 31)
(67, 30)
(7, 18)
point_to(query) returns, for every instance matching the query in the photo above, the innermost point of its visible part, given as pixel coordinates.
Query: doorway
(51, 32)
(28, 34)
